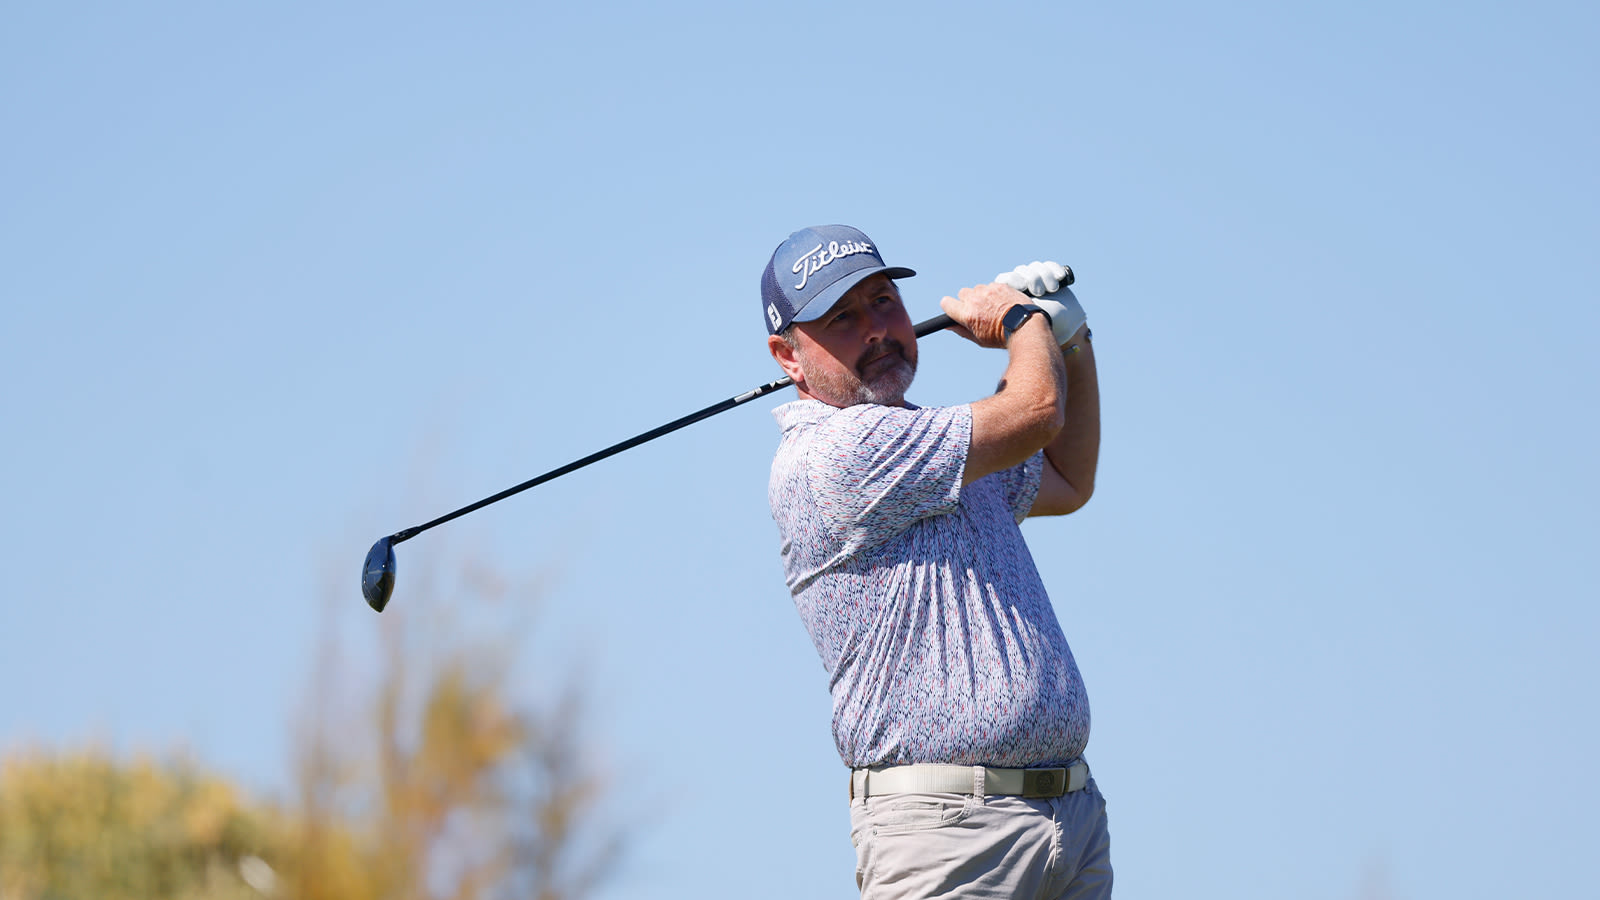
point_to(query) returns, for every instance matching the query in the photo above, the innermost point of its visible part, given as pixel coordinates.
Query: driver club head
(377, 574)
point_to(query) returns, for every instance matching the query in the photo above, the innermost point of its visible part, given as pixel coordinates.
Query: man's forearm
(1026, 413)
(1075, 452)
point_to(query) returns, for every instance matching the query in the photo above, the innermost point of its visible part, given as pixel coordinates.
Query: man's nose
(878, 322)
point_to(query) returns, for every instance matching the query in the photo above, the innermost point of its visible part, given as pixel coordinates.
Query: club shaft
(923, 329)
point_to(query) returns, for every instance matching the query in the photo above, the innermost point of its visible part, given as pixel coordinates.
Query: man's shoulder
(861, 475)
(808, 413)
(802, 413)
(842, 443)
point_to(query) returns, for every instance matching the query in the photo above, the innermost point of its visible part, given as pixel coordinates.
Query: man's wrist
(1078, 343)
(1018, 316)
(1012, 341)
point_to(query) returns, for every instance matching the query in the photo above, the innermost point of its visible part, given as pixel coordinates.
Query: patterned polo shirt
(939, 640)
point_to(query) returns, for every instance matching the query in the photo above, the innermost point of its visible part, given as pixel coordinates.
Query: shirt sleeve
(1021, 485)
(875, 470)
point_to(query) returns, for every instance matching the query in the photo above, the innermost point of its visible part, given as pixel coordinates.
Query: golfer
(957, 704)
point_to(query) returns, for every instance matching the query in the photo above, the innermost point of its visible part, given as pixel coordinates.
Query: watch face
(1014, 318)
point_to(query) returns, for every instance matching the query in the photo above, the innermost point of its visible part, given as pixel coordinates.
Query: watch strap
(1018, 315)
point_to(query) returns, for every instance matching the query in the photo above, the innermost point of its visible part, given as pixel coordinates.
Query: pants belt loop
(979, 788)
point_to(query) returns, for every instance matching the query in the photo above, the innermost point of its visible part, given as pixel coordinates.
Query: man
(956, 701)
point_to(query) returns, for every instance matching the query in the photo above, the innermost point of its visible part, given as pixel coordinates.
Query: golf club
(377, 573)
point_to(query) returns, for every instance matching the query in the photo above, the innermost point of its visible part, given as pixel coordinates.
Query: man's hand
(1037, 278)
(979, 311)
(1047, 282)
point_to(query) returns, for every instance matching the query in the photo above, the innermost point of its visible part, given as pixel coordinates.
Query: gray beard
(887, 388)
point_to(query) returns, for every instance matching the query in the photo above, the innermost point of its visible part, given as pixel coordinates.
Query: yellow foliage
(83, 825)
(441, 787)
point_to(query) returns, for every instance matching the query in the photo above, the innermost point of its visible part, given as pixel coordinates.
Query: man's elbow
(1080, 495)
(1067, 501)
(1060, 495)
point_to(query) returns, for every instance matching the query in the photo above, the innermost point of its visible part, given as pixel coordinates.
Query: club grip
(937, 323)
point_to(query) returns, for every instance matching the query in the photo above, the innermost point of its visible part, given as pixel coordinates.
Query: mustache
(890, 346)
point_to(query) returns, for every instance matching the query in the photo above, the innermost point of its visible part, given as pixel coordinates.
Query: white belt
(935, 779)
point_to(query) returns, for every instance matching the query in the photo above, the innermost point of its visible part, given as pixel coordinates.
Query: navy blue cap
(810, 271)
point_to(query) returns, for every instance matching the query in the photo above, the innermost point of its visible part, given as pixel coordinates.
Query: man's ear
(786, 358)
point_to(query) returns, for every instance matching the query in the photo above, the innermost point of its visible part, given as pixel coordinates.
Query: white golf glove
(1047, 282)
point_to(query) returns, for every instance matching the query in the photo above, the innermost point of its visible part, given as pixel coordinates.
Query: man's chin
(889, 388)
(885, 388)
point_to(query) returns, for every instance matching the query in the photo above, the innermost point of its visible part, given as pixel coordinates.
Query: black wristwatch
(1019, 314)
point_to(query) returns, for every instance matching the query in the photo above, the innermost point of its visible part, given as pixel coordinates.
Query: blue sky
(279, 281)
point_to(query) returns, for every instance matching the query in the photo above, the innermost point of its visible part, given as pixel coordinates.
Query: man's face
(863, 350)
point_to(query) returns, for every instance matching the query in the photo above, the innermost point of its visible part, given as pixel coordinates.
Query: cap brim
(824, 301)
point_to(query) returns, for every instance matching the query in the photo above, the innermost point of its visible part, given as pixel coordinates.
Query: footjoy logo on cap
(825, 262)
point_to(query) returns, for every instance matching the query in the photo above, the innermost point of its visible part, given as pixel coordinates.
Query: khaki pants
(912, 846)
